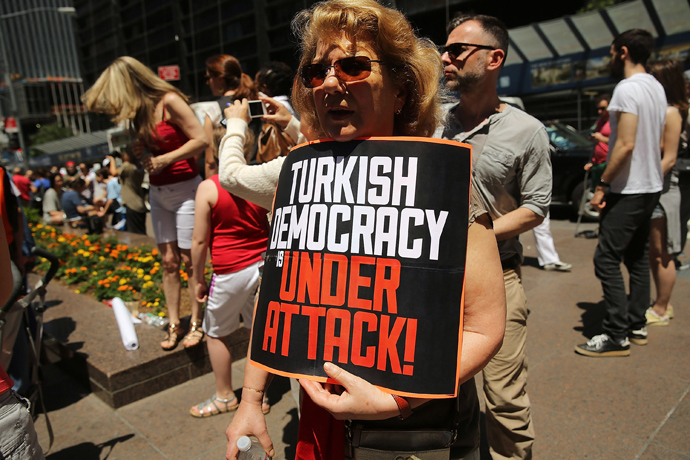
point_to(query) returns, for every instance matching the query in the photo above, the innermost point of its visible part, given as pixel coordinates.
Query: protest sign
(366, 263)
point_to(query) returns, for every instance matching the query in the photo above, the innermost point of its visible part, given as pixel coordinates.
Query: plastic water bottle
(250, 449)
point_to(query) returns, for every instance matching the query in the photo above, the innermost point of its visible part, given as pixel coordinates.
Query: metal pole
(13, 102)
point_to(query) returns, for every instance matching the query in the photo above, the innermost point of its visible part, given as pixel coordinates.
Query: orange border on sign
(462, 298)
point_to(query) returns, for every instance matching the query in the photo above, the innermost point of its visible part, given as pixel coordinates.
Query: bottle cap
(244, 444)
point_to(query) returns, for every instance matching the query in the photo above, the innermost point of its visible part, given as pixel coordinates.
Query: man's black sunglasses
(456, 49)
(353, 68)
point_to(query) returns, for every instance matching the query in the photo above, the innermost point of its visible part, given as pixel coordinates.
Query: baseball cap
(69, 163)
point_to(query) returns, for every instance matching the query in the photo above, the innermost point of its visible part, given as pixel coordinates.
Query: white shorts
(229, 295)
(172, 212)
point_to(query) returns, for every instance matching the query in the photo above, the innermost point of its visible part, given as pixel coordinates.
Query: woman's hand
(277, 112)
(600, 138)
(153, 164)
(238, 109)
(358, 399)
(588, 166)
(201, 290)
(248, 421)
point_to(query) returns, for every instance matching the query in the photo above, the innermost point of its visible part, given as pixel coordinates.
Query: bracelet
(252, 389)
(403, 406)
(603, 184)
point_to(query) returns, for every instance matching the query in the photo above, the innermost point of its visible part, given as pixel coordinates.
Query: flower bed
(104, 268)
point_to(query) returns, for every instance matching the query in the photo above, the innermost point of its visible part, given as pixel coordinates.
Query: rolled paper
(126, 325)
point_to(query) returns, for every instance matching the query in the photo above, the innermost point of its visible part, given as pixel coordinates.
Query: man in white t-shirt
(626, 195)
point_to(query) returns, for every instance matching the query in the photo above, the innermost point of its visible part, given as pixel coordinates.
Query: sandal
(173, 338)
(194, 336)
(210, 407)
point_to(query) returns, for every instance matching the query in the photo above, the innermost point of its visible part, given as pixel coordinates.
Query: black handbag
(364, 442)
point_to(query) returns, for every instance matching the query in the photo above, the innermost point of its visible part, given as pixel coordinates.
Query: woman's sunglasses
(455, 50)
(353, 68)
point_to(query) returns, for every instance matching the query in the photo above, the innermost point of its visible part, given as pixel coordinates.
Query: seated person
(99, 192)
(74, 204)
(113, 204)
(52, 203)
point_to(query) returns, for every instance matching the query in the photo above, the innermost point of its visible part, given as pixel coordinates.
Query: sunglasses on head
(456, 49)
(353, 68)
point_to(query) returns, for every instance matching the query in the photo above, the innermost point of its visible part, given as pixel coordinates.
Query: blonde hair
(248, 148)
(130, 91)
(413, 63)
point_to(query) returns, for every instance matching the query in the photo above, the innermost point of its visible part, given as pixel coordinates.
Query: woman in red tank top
(167, 137)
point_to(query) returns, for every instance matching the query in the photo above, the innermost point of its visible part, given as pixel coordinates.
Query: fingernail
(328, 367)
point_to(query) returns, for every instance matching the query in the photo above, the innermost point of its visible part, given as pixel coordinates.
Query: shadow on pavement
(290, 435)
(530, 262)
(592, 316)
(60, 389)
(88, 450)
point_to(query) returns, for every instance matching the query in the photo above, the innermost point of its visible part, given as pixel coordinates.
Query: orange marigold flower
(84, 269)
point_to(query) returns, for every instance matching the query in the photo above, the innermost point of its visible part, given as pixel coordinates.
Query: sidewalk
(617, 408)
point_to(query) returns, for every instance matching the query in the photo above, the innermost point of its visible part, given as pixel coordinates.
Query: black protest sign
(366, 263)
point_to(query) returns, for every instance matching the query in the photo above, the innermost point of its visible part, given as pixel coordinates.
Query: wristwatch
(603, 184)
(403, 406)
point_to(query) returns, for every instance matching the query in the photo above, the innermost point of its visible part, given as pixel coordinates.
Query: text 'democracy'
(365, 264)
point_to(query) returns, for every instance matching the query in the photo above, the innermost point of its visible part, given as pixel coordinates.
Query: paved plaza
(617, 408)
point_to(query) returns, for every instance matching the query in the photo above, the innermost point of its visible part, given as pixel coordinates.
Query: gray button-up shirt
(511, 164)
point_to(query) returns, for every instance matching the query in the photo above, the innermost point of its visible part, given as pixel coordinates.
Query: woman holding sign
(364, 73)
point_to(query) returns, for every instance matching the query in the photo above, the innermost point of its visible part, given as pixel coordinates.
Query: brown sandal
(194, 336)
(173, 338)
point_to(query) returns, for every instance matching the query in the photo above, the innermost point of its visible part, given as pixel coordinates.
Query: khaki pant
(508, 420)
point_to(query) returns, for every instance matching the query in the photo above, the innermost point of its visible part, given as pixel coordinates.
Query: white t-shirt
(641, 95)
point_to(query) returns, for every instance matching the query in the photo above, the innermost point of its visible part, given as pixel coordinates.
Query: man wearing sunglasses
(512, 169)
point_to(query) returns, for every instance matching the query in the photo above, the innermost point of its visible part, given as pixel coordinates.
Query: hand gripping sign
(365, 265)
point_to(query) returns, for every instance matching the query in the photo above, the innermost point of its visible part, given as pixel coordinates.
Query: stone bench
(82, 334)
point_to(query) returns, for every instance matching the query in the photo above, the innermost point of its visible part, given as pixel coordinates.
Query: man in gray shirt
(512, 170)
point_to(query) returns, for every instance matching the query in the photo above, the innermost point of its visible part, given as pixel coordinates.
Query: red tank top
(239, 232)
(6, 382)
(169, 137)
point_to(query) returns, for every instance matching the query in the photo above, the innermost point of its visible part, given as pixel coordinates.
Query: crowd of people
(87, 196)
(364, 72)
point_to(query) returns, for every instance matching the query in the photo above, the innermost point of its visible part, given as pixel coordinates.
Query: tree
(48, 133)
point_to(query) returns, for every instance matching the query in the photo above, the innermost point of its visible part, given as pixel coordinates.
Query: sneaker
(669, 312)
(653, 318)
(639, 336)
(558, 267)
(603, 346)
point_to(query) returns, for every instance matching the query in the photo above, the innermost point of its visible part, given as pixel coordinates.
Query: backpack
(272, 143)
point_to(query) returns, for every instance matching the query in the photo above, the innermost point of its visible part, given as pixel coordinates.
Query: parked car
(570, 151)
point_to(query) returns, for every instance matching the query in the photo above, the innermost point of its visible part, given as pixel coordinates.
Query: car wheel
(589, 214)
